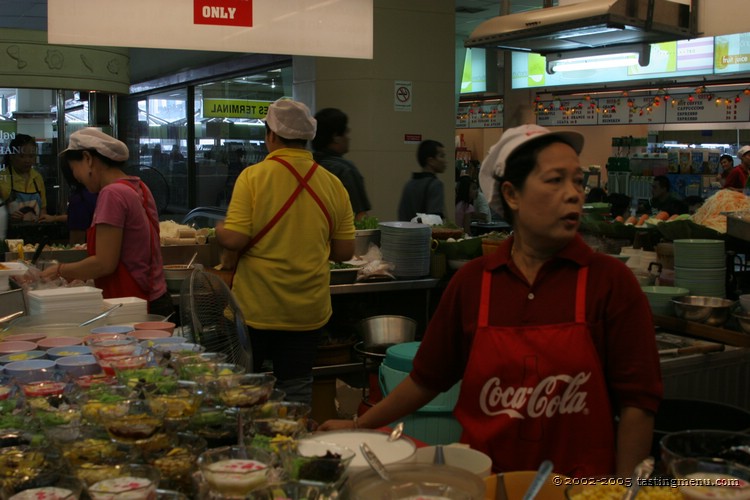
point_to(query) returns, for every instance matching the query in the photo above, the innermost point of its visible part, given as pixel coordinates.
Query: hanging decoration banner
(325, 28)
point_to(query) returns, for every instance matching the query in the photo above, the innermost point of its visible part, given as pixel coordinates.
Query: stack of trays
(85, 299)
(700, 266)
(133, 309)
(407, 246)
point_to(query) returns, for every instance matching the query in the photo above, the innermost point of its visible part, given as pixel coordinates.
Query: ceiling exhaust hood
(589, 24)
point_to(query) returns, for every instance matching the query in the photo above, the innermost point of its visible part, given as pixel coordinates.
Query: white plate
(400, 450)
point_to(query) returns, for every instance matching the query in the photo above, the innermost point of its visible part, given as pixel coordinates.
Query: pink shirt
(120, 206)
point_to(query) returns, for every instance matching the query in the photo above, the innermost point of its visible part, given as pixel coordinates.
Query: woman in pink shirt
(123, 241)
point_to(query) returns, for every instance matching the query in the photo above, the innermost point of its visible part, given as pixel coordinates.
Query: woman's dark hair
(519, 165)
(288, 142)
(426, 150)
(620, 204)
(77, 155)
(16, 145)
(596, 195)
(463, 189)
(331, 122)
(726, 157)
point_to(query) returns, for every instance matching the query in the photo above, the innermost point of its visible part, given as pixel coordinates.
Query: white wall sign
(402, 96)
(330, 28)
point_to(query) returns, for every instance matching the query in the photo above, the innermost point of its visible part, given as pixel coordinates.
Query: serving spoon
(374, 462)
(396, 432)
(536, 484)
(642, 471)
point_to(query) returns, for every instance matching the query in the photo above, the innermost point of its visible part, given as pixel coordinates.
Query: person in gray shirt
(424, 193)
(330, 144)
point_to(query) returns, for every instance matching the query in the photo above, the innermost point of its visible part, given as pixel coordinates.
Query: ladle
(192, 259)
(536, 484)
(100, 316)
(374, 462)
(642, 471)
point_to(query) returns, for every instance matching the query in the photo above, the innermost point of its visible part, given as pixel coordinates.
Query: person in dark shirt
(330, 144)
(424, 193)
(662, 200)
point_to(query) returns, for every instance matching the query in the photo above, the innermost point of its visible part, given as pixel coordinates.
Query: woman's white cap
(513, 138)
(291, 120)
(93, 138)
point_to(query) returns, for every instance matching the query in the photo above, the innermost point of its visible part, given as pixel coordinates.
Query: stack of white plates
(131, 307)
(700, 266)
(85, 299)
(407, 246)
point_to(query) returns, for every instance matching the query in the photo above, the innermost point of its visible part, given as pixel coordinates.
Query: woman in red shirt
(554, 343)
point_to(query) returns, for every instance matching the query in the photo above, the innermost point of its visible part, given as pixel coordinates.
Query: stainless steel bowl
(381, 332)
(743, 318)
(712, 311)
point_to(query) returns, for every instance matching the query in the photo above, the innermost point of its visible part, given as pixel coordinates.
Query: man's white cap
(291, 120)
(93, 138)
(513, 138)
(743, 150)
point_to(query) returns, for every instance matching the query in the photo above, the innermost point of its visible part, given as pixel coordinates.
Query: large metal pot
(381, 332)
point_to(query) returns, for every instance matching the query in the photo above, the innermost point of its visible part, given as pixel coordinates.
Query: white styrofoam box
(127, 302)
(65, 294)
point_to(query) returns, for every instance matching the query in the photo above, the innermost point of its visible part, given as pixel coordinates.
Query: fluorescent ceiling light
(595, 62)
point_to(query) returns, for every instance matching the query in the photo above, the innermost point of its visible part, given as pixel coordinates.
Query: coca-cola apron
(121, 283)
(532, 393)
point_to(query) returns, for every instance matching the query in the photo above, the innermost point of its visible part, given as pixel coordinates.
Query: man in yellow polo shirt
(287, 218)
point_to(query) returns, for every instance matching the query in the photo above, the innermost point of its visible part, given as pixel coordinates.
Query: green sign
(235, 108)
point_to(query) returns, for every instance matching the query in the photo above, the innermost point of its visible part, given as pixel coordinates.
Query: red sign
(223, 12)
(412, 137)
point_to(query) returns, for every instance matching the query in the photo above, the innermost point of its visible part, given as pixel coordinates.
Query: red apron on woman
(532, 393)
(121, 283)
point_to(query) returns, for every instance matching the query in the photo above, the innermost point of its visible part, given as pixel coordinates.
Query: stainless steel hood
(586, 25)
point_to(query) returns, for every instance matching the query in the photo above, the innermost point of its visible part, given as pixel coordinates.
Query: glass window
(229, 131)
(227, 135)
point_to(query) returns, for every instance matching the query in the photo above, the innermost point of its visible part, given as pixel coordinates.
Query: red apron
(532, 393)
(121, 283)
(302, 185)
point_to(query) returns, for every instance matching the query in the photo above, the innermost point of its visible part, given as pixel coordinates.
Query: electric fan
(156, 183)
(211, 317)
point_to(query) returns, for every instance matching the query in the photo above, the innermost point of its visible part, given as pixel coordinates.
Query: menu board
(567, 112)
(462, 116)
(619, 112)
(480, 116)
(705, 109)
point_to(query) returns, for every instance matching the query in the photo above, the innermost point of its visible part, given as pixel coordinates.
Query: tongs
(100, 316)
(10, 319)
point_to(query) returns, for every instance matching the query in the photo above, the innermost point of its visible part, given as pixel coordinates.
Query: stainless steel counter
(385, 286)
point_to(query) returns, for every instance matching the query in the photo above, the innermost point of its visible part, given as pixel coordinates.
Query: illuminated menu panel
(731, 53)
(668, 60)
